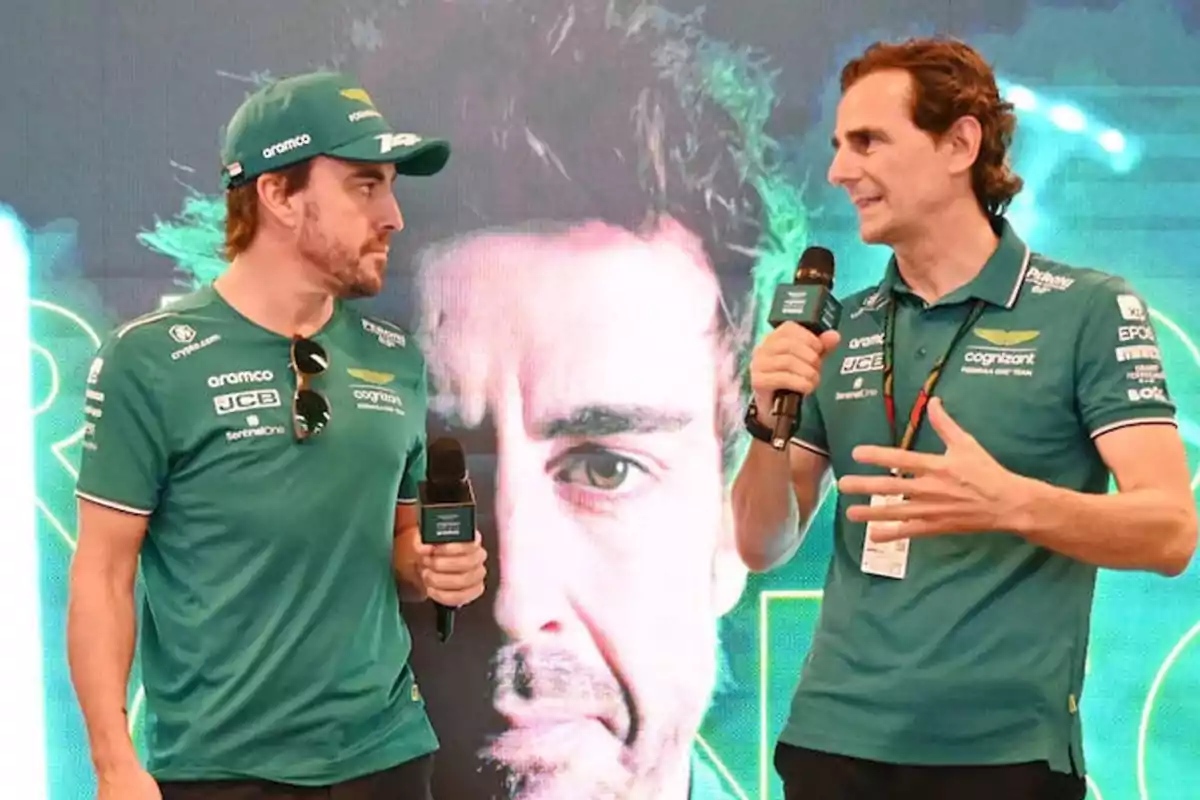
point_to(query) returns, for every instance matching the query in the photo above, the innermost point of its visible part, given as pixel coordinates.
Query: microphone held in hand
(807, 301)
(447, 508)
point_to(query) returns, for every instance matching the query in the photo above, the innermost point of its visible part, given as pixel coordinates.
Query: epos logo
(1135, 333)
(246, 401)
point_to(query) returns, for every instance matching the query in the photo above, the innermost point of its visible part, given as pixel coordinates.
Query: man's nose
(841, 168)
(393, 220)
(534, 558)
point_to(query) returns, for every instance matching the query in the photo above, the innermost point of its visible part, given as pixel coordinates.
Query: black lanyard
(917, 415)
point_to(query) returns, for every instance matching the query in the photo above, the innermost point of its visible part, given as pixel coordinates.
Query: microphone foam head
(447, 462)
(816, 266)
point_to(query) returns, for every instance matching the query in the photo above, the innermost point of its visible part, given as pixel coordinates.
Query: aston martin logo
(1005, 338)
(357, 94)
(366, 375)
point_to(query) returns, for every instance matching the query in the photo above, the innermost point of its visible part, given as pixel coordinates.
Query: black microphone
(807, 301)
(447, 508)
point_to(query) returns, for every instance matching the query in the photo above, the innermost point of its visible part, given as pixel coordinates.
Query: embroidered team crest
(1005, 338)
(369, 376)
(357, 94)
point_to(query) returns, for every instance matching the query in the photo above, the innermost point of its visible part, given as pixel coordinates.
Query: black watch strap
(756, 428)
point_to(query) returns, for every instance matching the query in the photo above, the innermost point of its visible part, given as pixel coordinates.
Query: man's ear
(728, 571)
(961, 143)
(274, 200)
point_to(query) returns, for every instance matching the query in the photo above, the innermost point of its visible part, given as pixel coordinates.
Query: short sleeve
(414, 463)
(810, 433)
(1120, 379)
(125, 451)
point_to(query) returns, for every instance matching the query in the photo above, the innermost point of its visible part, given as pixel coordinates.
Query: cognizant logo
(377, 396)
(992, 358)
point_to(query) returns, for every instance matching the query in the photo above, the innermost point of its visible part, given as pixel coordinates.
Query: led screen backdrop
(592, 114)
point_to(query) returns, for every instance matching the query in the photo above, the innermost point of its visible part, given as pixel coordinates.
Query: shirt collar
(998, 283)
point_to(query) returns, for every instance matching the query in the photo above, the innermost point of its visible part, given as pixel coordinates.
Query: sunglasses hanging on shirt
(310, 409)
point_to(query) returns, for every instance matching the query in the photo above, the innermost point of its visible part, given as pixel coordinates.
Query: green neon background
(1141, 718)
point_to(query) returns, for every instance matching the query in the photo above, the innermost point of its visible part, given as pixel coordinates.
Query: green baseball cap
(320, 113)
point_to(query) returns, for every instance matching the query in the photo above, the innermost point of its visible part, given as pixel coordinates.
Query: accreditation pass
(885, 559)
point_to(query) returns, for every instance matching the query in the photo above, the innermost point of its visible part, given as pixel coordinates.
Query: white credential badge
(885, 559)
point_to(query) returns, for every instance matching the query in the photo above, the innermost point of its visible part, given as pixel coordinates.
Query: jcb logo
(390, 141)
(871, 362)
(246, 401)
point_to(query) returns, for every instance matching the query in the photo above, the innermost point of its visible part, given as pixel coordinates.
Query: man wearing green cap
(259, 445)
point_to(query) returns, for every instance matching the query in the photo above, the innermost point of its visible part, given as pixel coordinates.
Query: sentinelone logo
(254, 432)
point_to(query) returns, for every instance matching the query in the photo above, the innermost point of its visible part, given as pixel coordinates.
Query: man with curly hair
(974, 406)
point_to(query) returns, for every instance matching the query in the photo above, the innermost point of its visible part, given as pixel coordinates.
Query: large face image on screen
(630, 181)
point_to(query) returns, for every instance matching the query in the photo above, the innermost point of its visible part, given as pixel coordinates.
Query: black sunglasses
(310, 409)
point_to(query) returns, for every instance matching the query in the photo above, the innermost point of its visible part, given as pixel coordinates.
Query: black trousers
(812, 775)
(409, 781)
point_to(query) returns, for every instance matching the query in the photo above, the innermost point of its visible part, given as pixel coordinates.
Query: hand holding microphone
(787, 363)
(451, 551)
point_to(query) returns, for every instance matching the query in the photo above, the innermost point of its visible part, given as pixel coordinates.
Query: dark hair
(241, 207)
(566, 112)
(952, 80)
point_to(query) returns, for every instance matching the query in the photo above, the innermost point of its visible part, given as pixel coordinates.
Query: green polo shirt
(272, 645)
(977, 655)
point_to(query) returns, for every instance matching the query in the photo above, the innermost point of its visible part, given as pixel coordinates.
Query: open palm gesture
(964, 490)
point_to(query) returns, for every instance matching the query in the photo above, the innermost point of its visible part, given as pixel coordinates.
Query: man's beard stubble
(341, 267)
(578, 757)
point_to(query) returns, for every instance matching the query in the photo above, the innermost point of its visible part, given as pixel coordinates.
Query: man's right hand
(127, 783)
(788, 359)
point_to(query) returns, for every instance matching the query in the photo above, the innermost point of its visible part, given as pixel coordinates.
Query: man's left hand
(453, 573)
(963, 490)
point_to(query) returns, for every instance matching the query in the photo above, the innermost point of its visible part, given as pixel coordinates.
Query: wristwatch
(756, 428)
